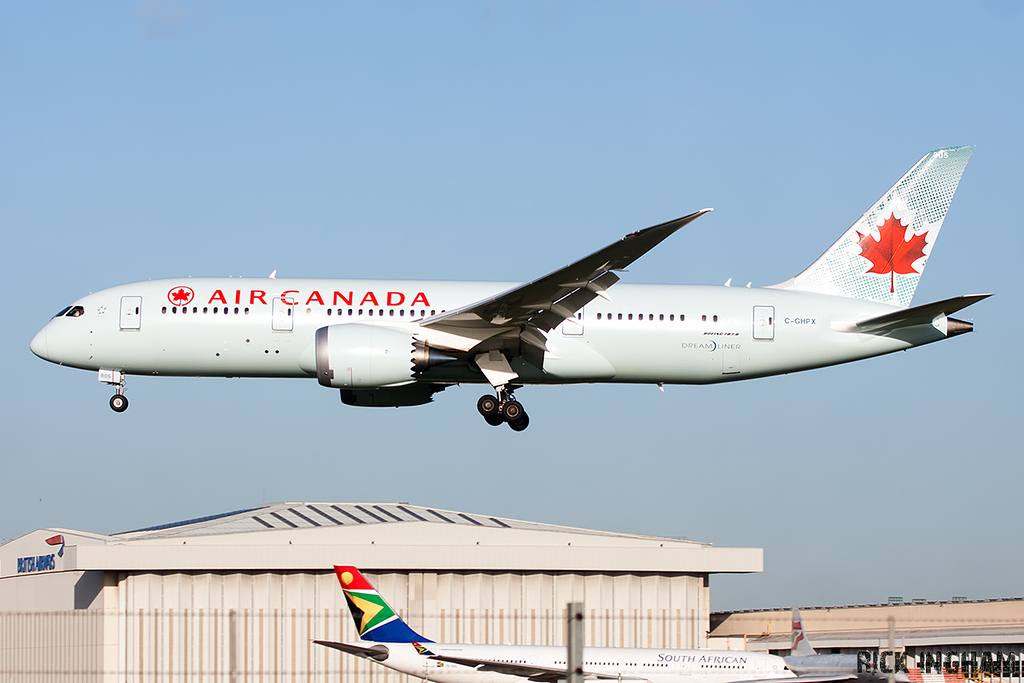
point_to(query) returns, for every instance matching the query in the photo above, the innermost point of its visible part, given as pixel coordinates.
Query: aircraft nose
(38, 344)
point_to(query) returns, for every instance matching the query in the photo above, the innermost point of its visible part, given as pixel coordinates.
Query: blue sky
(500, 141)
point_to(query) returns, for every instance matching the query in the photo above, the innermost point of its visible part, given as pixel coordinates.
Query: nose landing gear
(503, 408)
(118, 402)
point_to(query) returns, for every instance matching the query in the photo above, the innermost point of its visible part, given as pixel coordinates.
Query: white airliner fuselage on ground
(397, 342)
(388, 640)
(496, 663)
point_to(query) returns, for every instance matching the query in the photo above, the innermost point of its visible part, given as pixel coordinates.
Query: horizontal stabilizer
(376, 652)
(927, 314)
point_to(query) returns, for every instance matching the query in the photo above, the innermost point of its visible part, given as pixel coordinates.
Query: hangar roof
(286, 516)
(377, 536)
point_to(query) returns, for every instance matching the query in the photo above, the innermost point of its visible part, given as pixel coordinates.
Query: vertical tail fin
(375, 620)
(800, 646)
(881, 257)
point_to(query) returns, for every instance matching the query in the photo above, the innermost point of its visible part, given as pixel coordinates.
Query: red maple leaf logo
(892, 253)
(181, 295)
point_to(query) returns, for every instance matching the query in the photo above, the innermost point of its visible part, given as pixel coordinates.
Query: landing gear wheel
(494, 420)
(488, 406)
(119, 403)
(512, 411)
(522, 424)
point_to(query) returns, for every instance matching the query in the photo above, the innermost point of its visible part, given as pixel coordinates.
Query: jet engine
(361, 356)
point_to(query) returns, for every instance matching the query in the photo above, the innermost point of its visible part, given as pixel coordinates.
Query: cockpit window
(75, 312)
(63, 311)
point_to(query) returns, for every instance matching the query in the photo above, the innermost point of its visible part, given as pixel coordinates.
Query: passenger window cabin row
(380, 312)
(206, 309)
(370, 312)
(650, 316)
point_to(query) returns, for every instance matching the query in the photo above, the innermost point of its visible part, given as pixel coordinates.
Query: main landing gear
(503, 408)
(118, 402)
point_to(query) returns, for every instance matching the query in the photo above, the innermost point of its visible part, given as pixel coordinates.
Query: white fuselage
(657, 666)
(675, 334)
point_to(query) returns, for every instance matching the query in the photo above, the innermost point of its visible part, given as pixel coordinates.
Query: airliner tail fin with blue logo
(375, 620)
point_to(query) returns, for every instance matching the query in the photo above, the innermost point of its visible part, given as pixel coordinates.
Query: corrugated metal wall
(260, 627)
(52, 646)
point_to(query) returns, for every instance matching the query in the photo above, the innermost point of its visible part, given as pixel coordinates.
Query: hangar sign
(42, 563)
(39, 563)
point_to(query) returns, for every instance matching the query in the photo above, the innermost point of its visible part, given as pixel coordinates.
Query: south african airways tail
(375, 620)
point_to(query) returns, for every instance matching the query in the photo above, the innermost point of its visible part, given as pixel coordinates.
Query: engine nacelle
(360, 356)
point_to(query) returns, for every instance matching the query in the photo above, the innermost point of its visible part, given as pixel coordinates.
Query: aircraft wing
(376, 652)
(542, 674)
(542, 304)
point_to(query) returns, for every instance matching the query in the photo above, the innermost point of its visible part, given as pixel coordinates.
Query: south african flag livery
(375, 620)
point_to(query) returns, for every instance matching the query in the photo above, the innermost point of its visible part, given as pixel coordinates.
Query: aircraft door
(282, 315)
(684, 666)
(131, 312)
(574, 329)
(764, 322)
(730, 358)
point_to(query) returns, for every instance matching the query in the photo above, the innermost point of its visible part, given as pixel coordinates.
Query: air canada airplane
(386, 639)
(398, 342)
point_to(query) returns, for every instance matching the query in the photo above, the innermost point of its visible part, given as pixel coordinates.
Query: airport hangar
(242, 595)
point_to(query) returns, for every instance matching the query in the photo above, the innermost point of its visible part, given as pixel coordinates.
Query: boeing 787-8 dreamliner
(399, 342)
